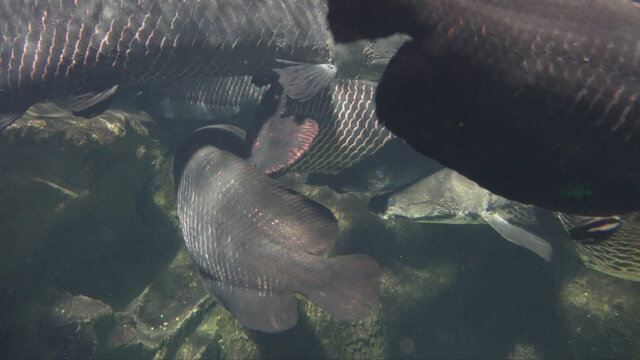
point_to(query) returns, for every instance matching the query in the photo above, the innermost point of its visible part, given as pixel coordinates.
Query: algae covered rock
(72, 325)
(93, 265)
(79, 219)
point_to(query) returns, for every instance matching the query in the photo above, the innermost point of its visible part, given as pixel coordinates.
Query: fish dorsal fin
(222, 136)
(84, 101)
(301, 81)
(281, 141)
(518, 235)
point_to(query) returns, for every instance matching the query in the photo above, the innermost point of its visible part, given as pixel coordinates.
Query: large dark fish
(256, 243)
(538, 101)
(57, 48)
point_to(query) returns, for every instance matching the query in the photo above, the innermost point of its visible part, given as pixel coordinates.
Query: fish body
(86, 49)
(619, 254)
(345, 126)
(202, 98)
(348, 127)
(256, 243)
(537, 101)
(396, 165)
(450, 198)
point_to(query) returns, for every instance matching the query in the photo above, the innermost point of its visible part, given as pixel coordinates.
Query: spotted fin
(302, 81)
(84, 101)
(264, 311)
(518, 235)
(281, 141)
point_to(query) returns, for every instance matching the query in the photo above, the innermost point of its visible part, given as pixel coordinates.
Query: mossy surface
(88, 217)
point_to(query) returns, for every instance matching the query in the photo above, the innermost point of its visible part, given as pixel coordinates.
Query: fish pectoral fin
(352, 292)
(519, 236)
(281, 141)
(10, 116)
(84, 101)
(260, 310)
(302, 81)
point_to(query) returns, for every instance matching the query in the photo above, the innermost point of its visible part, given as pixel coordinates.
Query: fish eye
(380, 174)
(391, 201)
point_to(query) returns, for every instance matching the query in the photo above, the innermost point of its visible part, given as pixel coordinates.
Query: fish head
(442, 197)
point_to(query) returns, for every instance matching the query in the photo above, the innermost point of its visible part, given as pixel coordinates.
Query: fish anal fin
(302, 81)
(352, 292)
(84, 101)
(281, 141)
(260, 310)
(518, 235)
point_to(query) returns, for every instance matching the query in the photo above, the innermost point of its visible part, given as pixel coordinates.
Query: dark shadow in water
(499, 297)
(297, 343)
(124, 253)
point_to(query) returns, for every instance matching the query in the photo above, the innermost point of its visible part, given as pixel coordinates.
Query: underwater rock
(72, 325)
(600, 315)
(89, 199)
(169, 308)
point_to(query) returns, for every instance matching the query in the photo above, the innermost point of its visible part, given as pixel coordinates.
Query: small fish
(619, 253)
(450, 198)
(82, 52)
(256, 243)
(590, 229)
(536, 101)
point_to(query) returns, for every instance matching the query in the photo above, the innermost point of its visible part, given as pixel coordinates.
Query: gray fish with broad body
(450, 198)
(81, 51)
(537, 101)
(256, 243)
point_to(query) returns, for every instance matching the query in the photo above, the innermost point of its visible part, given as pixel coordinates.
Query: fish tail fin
(263, 311)
(351, 293)
(302, 81)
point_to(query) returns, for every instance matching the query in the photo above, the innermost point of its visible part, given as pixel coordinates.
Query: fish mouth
(379, 205)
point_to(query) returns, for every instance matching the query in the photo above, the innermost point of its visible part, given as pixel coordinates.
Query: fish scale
(548, 90)
(619, 254)
(349, 127)
(56, 48)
